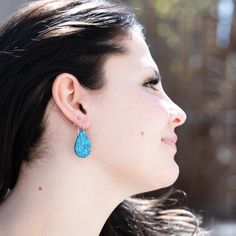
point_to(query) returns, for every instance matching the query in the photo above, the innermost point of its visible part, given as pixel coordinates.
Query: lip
(170, 141)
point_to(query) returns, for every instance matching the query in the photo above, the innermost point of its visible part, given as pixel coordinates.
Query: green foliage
(177, 17)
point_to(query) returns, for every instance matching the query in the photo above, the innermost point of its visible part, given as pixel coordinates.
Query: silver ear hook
(78, 117)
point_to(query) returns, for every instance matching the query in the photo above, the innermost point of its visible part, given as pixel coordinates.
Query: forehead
(135, 61)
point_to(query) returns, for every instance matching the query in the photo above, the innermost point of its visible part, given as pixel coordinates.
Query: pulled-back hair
(37, 43)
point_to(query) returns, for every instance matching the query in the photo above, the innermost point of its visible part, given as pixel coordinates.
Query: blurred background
(194, 45)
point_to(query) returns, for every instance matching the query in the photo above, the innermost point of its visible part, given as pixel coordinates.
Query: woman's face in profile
(133, 124)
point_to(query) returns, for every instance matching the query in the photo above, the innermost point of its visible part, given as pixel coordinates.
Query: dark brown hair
(37, 43)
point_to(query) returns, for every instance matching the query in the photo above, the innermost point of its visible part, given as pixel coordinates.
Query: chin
(163, 181)
(173, 175)
(170, 176)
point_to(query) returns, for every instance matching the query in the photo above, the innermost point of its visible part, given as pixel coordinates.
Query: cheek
(136, 128)
(127, 134)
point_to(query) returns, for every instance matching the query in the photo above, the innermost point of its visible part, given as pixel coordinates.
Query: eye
(151, 82)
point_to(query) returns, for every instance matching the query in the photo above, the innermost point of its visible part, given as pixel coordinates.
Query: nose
(177, 116)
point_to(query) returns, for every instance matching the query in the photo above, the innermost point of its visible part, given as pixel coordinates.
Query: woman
(85, 124)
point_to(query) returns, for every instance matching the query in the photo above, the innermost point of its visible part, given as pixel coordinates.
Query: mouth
(170, 142)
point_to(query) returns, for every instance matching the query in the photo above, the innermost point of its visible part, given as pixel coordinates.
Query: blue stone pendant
(82, 146)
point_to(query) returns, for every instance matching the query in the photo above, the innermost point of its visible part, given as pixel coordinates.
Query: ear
(68, 95)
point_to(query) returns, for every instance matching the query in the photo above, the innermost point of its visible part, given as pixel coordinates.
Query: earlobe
(68, 96)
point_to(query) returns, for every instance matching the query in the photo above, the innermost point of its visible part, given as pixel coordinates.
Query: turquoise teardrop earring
(82, 147)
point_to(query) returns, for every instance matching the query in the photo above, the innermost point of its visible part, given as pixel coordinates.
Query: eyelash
(152, 82)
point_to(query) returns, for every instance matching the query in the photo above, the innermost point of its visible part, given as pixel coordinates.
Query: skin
(127, 124)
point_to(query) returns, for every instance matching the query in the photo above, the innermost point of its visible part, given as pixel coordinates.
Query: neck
(50, 200)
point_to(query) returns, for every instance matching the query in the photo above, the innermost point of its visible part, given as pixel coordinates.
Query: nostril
(177, 120)
(177, 116)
